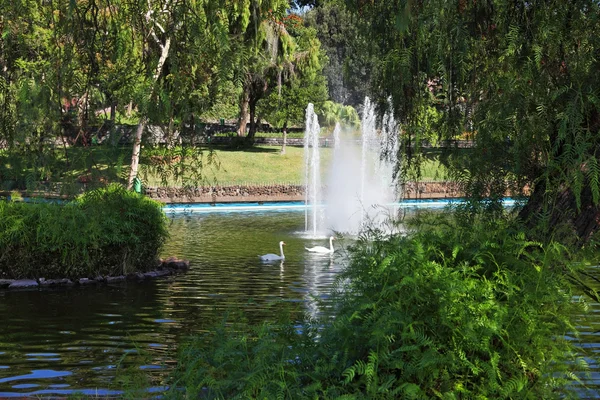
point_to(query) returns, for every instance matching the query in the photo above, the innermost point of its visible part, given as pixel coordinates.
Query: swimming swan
(274, 257)
(321, 249)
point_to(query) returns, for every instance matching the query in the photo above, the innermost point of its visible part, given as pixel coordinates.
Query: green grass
(259, 165)
(221, 165)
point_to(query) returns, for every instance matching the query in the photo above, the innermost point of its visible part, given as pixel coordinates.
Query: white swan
(321, 249)
(274, 257)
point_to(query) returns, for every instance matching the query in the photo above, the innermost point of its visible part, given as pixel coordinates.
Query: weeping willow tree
(67, 68)
(519, 78)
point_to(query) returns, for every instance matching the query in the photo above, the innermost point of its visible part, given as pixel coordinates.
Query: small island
(106, 235)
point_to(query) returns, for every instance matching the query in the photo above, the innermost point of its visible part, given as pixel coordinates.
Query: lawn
(220, 165)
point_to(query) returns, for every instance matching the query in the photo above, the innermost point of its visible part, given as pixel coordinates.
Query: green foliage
(305, 84)
(171, 166)
(519, 78)
(331, 113)
(107, 231)
(451, 311)
(350, 55)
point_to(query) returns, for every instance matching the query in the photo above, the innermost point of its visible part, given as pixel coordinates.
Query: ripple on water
(25, 386)
(95, 327)
(37, 374)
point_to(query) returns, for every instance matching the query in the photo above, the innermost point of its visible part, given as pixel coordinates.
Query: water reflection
(87, 336)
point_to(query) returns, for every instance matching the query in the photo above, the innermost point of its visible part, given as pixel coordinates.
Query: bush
(108, 231)
(447, 312)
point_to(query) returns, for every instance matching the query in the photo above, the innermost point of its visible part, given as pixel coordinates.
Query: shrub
(109, 231)
(448, 311)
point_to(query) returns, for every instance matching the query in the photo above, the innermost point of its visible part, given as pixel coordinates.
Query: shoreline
(261, 193)
(167, 267)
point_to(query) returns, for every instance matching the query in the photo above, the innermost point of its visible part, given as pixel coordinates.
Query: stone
(55, 282)
(4, 283)
(86, 281)
(158, 273)
(23, 284)
(115, 279)
(172, 263)
(178, 264)
(140, 276)
(135, 276)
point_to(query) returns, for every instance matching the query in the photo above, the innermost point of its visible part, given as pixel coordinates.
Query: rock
(86, 281)
(158, 274)
(4, 283)
(55, 282)
(135, 276)
(114, 279)
(140, 276)
(163, 272)
(23, 283)
(176, 264)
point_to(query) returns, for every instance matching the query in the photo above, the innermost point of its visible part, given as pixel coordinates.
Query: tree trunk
(252, 131)
(113, 112)
(243, 113)
(137, 142)
(135, 155)
(284, 137)
(559, 217)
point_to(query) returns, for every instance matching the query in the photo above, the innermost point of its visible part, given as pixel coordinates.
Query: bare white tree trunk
(137, 141)
(284, 138)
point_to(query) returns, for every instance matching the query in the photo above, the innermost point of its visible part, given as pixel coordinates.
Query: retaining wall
(275, 192)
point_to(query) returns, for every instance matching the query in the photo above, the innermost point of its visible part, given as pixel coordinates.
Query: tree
(518, 77)
(286, 104)
(266, 50)
(350, 54)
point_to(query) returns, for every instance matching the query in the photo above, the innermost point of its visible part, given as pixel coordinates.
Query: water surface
(84, 339)
(93, 339)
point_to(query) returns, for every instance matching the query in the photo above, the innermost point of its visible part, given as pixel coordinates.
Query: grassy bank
(97, 165)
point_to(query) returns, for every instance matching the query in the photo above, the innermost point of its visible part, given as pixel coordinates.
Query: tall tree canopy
(350, 54)
(68, 66)
(518, 77)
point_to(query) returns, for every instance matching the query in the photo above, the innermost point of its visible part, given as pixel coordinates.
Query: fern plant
(449, 311)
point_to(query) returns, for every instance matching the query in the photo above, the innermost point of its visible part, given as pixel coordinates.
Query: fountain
(359, 179)
(312, 171)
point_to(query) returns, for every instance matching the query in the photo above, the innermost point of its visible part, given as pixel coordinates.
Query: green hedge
(109, 231)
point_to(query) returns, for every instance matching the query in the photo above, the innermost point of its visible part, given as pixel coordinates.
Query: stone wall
(278, 192)
(431, 190)
(227, 194)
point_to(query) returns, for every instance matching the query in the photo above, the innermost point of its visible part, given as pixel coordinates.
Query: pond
(86, 340)
(56, 342)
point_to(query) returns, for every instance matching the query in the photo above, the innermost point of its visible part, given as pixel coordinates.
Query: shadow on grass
(247, 148)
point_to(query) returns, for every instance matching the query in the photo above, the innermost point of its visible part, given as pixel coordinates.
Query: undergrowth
(449, 311)
(108, 231)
